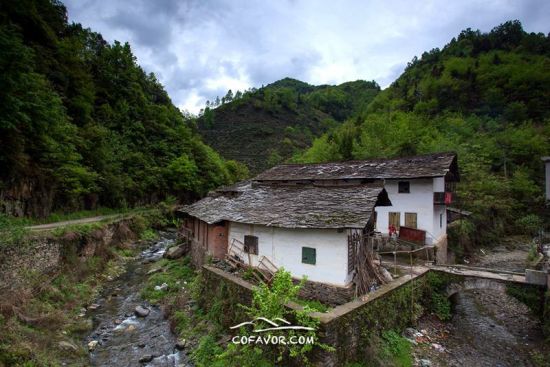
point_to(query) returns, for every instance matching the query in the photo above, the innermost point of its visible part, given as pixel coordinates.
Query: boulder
(66, 345)
(141, 311)
(180, 345)
(174, 252)
(146, 358)
(92, 345)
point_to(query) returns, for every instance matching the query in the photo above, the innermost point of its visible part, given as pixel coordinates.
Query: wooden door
(410, 220)
(395, 219)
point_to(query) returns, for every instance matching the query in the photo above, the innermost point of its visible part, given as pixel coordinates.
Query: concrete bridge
(485, 278)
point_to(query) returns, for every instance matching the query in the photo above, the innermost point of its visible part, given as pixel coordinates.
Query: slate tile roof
(422, 166)
(290, 206)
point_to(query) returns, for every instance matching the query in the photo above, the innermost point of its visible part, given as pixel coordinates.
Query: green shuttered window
(309, 255)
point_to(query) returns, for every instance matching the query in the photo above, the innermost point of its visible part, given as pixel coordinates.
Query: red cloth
(448, 198)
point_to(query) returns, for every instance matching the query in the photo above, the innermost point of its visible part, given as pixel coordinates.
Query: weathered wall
(44, 253)
(224, 292)
(349, 328)
(326, 293)
(283, 246)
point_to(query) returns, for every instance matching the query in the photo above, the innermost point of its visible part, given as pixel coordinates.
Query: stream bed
(487, 328)
(124, 338)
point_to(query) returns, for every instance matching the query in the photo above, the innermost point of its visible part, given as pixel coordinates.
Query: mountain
(485, 96)
(266, 126)
(82, 125)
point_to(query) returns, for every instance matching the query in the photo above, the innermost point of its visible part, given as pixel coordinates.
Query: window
(441, 220)
(309, 255)
(404, 187)
(251, 245)
(394, 219)
(410, 220)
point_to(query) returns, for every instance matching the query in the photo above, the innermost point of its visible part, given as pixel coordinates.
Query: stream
(123, 338)
(487, 328)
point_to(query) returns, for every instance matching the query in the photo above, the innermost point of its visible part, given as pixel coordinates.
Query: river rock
(425, 363)
(146, 358)
(92, 345)
(131, 328)
(141, 311)
(180, 345)
(93, 306)
(174, 252)
(65, 345)
(161, 287)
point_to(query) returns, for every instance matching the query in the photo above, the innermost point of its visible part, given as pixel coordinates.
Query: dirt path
(48, 226)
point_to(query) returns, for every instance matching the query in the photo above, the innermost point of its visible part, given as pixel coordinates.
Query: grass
(314, 304)
(12, 230)
(50, 306)
(175, 273)
(149, 235)
(396, 348)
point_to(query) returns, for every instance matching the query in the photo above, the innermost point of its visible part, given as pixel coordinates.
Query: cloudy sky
(201, 48)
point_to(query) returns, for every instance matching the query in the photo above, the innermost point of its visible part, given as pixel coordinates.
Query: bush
(530, 224)
(397, 348)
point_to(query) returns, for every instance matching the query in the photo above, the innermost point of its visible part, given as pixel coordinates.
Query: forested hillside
(485, 96)
(266, 126)
(81, 124)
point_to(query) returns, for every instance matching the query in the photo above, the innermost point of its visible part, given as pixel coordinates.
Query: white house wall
(283, 246)
(420, 200)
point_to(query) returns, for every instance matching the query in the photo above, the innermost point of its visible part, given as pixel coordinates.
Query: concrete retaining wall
(349, 328)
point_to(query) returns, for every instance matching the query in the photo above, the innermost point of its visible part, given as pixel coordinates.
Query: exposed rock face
(174, 252)
(44, 253)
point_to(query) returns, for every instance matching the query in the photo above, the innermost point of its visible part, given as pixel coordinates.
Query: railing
(236, 252)
(443, 198)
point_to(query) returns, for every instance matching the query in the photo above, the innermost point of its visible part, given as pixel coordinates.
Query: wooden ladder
(267, 269)
(235, 254)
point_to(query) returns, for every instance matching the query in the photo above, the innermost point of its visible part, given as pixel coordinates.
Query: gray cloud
(202, 48)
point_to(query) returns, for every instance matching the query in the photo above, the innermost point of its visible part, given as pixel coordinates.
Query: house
(305, 229)
(311, 218)
(547, 176)
(419, 188)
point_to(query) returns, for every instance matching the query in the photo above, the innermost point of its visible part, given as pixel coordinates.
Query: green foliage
(148, 235)
(530, 295)
(484, 96)
(265, 127)
(397, 349)
(83, 125)
(175, 273)
(530, 224)
(205, 354)
(313, 304)
(270, 302)
(441, 306)
(11, 231)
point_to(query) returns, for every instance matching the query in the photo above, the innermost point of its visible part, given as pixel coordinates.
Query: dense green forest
(82, 125)
(263, 127)
(485, 96)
